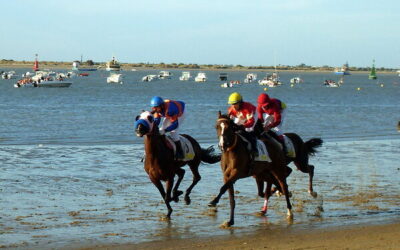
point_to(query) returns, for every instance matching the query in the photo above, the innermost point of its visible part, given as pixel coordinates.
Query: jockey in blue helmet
(173, 114)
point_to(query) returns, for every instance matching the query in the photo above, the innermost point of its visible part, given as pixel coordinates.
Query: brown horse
(303, 151)
(236, 160)
(161, 165)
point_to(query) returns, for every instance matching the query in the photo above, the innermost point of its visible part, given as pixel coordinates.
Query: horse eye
(150, 118)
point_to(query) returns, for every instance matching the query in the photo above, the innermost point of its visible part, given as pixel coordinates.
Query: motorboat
(270, 80)
(149, 78)
(332, 84)
(164, 75)
(8, 75)
(115, 78)
(227, 85)
(185, 76)
(113, 65)
(295, 80)
(223, 76)
(251, 77)
(77, 67)
(344, 70)
(201, 77)
(49, 83)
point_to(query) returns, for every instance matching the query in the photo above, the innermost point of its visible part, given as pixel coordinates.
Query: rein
(235, 135)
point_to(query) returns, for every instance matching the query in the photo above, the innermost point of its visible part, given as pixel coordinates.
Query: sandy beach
(386, 236)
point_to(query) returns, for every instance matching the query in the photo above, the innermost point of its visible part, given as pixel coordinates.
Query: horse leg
(260, 187)
(223, 189)
(308, 169)
(196, 179)
(284, 187)
(176, 193)
(160, 188)
(267, 194)
(232, 205)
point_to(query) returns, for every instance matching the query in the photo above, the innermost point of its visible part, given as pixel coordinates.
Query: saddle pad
(262, 152)
(187, 147)
(291, 152)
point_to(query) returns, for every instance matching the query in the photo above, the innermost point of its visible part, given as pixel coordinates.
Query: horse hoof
(187, 200)
(226, 224)
(178, 193)
(176, 199)
(289, 215)
(313, 194)
(212, 204)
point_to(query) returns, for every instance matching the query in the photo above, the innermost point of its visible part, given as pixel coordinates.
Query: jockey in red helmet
(272, 112)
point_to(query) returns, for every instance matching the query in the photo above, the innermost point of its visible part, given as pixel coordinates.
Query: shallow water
(71, 171)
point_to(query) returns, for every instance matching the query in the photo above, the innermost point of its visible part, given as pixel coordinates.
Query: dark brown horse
(161, 165)
(236, 160)
(303, 151)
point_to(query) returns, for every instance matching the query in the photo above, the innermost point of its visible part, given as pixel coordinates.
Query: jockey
(173, 113)
(243, 114)
(275, 112)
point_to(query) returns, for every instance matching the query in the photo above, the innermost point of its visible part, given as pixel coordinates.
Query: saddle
(187, 147)
(262, 149)
(291, 152)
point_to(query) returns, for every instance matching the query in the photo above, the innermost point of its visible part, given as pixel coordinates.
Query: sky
(244, 32)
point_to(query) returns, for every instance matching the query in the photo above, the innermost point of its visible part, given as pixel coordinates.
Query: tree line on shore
(302, 66)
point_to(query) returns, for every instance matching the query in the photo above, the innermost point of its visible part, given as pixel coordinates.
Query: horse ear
(150, 118)
(219, 114)
(137, 117)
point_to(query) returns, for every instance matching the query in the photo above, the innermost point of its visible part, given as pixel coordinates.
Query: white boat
(201, 77)
(398, 71)
(9, 75)
(115, 78)
(185, 76)
(332, 84)
(227, 85)
(113, 65)
(149, 78)
(295, 80)
(270, 80)
(251, 77)
(164, 75)
(28, 82)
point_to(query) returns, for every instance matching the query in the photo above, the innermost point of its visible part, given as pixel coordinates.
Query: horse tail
(311, 145)
(208, 156)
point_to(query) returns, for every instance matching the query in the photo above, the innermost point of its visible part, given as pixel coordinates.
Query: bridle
(222, 145)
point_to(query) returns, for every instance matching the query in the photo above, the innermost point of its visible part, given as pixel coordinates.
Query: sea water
(71, 171)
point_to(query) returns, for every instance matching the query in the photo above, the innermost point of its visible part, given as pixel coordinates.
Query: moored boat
(115, 78)
(113, 65)
(185, 76)
(201, 77)
(251, 77)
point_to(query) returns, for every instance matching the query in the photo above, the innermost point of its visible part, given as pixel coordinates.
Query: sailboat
(372, 74)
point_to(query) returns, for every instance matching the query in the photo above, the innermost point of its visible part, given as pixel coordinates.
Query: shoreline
(357, 236)
(63, 66)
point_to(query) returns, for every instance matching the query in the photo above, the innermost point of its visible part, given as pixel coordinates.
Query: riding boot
(282, 141)
(179, 152)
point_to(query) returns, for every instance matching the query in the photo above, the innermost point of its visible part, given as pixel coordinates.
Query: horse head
(226, 132)
(144, 123)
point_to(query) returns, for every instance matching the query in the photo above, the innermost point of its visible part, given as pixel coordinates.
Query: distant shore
(129, 67)
(386, 236)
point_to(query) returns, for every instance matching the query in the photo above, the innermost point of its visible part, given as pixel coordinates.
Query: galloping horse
(236, 160)
(302, 152)
(161, 165)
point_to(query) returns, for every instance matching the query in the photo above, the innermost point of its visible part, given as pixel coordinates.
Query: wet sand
(385, 236)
